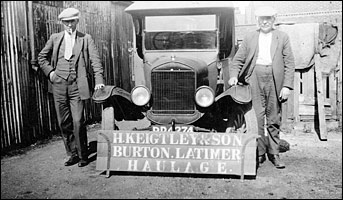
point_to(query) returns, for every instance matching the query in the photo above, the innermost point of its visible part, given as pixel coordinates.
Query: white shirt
(264, 43)
(69, 44)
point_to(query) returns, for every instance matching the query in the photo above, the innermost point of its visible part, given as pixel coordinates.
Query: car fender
(120, 100)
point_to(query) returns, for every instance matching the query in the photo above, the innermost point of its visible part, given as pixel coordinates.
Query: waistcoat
(65, 67)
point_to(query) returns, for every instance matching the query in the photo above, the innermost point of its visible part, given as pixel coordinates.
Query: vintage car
(196, 122)
(180, 56)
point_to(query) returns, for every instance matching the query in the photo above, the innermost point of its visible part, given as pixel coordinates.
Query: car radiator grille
(173, 92)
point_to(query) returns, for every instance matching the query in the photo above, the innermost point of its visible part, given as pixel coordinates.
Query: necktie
(68, 47)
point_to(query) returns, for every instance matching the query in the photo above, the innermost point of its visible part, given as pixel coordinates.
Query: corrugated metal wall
(27, 109)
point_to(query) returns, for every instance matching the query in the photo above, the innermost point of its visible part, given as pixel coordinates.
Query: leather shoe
(82, 163)
(72, 161)
(275, 159)
(261, 159)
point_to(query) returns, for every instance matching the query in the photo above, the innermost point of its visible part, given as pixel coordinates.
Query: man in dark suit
(265, 61)
(67, 60)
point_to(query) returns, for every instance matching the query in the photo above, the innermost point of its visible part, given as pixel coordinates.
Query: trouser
(267, 107)
(69, 109)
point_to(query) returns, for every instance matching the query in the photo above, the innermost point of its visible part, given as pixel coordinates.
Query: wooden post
(33, 62)
(107, 122)
(296, 93)
(284, 116)
(332, 95)
(339, 89)
(320, 99)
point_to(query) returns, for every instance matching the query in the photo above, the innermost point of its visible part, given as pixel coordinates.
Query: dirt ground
(313, 171)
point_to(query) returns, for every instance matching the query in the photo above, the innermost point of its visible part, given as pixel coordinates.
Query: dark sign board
(177, 152)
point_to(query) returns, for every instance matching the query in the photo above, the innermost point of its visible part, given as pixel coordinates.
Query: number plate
(178, 128)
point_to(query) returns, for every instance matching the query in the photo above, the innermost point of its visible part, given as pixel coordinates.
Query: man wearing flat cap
(68, 60)
(265, 61)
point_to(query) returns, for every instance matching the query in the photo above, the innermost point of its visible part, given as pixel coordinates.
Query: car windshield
(180, 32)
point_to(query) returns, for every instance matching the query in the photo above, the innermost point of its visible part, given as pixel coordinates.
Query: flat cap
(265, 11)
(69, 13)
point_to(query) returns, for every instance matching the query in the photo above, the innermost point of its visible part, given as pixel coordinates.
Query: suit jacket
(282, 59)
(86, 54)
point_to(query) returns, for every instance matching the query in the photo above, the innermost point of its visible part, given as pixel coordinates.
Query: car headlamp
(140, 95)
(204, 96)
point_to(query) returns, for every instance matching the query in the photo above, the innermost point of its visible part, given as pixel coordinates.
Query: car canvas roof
(151, 8)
